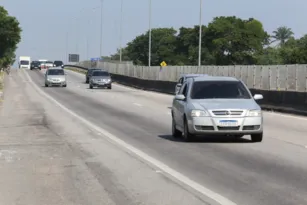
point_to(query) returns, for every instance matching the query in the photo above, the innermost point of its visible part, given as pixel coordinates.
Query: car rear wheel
(46, 85)
(64, 86)
(110, 87)
(91, 87)
(175, 133)
(257, 137)
(187, 136)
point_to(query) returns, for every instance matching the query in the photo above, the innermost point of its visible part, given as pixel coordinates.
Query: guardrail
(277, 100)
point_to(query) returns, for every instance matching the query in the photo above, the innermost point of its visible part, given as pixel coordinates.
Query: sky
(56, 27)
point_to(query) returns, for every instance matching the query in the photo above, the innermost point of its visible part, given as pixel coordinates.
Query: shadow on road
(208, 139)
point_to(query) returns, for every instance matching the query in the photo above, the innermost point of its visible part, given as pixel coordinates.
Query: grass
(1, 86)
(1, 80)
(76, 70)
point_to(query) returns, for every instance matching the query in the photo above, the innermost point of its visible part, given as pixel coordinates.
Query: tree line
(10, 36)
(226, 40)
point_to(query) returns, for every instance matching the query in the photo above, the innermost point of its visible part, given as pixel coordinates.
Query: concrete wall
(283, 87)
(273, 77)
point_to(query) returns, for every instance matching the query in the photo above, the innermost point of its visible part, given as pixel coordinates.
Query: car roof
(192, 75)
(56, 68)
(100, 70)
(94, 68)
(214, 78)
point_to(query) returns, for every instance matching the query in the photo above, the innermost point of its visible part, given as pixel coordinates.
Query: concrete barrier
(274, 100)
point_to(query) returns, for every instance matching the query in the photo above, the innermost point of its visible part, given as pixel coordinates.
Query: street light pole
(200, 33)
(121, 31)
(101, 22)
(66, 56)
(149, 43)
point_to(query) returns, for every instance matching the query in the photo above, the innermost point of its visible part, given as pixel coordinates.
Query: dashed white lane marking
(160, 166)
(137, 104)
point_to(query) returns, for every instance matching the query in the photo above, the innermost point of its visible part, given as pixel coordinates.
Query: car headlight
(254, 113)
(199, 113)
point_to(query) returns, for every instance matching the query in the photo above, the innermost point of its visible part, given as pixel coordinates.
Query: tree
(282, 34)
(163, 47)
(10, 36)
(235, 41)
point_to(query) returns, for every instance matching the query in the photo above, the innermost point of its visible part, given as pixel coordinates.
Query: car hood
(100, 77)
(56, 77)
(212, 104)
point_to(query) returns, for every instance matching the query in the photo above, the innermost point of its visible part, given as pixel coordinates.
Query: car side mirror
(258, 97)
(180, 97)
(179, 85)
(62, 66)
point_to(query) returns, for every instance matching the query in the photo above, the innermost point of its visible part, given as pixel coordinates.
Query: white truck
(24, 62)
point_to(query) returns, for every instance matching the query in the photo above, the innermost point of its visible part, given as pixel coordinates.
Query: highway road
(268, 173)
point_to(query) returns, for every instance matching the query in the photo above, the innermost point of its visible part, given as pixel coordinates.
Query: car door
(178, 85)
(179, 107)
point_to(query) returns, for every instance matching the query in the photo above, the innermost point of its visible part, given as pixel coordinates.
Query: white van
(24, 62)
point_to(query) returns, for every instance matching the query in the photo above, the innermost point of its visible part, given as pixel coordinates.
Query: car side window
(183, 90)
(180, 81)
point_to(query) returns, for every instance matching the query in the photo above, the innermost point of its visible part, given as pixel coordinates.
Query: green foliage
(10, 36)
(226, 40)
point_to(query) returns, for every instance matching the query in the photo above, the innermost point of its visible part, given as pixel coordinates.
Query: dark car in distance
(100, 78)
(35, 65)
(58, 63)
(89, 73)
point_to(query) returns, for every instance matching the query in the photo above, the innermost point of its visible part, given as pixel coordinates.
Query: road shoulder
(48, 157)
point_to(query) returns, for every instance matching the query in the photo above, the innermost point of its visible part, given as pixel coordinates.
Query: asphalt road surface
(268, 173)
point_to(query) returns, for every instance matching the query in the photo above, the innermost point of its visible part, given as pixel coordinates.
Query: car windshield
(219, 90)
(24, 62)
(90, 71)
(100, 73)
(56, 72)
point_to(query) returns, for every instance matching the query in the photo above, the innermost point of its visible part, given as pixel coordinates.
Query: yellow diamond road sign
(163, 64)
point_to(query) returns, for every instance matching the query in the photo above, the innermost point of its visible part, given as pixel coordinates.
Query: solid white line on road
(137, 104)
(163, 167)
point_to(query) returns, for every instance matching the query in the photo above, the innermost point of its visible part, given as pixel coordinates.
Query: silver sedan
(216, 106)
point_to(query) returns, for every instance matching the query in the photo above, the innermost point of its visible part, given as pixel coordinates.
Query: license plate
(228, 123)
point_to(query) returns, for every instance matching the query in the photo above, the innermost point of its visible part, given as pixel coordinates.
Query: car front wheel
(187, 136)
(257, 137)
(175, 133)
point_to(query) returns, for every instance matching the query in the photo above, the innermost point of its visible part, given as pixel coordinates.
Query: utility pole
(200, 33)
(149, 44)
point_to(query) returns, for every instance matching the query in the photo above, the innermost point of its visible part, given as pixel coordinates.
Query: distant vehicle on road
(58, 63)
(216, 106)
(24, 62)
(35, 65)
(183, 78)
(48, 64)
(42, 63)
(89, 73)
(100, 78)
(55, 76)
